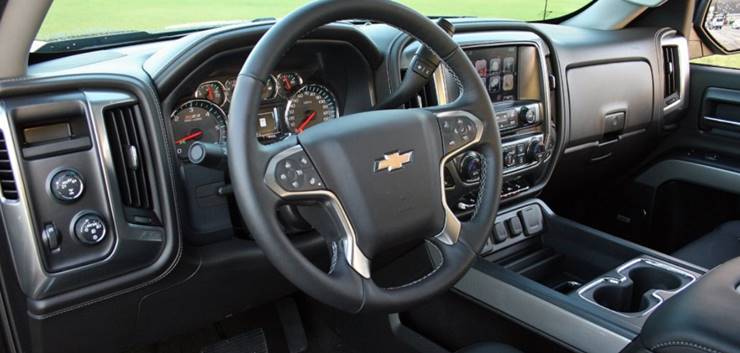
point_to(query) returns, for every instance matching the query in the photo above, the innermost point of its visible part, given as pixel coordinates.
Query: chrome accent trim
(672, 38)
(623, 277)
(353, 254)
(541, 315)
(393, 161)
(440, 84)
(722, 121)
(223, 90)
(26, 249)
(451, 231)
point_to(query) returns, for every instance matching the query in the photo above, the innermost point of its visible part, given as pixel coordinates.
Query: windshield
(84, 18)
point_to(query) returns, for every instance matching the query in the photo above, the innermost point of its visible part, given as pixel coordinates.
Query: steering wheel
(379, 174)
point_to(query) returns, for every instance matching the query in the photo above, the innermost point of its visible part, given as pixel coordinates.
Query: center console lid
(703, 318)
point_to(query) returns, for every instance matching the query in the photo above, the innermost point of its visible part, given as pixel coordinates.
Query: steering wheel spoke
(293, 177)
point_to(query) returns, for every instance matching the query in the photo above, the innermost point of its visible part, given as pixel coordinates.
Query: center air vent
(128, 150)
(7, 180)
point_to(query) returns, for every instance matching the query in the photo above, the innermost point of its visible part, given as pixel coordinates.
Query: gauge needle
(189, 137)
(210, 93)
(286, 81)
(305, 122)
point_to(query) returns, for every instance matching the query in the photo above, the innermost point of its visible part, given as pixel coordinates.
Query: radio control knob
(527, 116)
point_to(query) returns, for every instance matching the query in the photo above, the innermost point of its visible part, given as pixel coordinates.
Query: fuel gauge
(289, 82)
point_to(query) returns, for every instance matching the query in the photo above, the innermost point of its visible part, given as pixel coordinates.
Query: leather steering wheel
(379, 174)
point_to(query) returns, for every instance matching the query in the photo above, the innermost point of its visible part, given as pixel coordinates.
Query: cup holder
(634, 291)
(632, 296)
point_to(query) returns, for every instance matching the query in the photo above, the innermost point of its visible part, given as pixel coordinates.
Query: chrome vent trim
(674, 51)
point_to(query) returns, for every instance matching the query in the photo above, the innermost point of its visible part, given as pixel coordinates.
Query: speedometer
(197, 120)
(311, 105)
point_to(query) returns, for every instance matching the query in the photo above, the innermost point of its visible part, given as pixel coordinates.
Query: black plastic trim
(162, 155)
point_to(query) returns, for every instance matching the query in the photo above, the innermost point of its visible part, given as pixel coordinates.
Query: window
(731, 61)
(68, 19)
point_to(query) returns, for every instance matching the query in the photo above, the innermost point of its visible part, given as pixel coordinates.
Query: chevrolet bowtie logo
(393, 161)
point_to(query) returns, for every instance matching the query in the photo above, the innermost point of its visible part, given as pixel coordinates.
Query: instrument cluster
(290, 105)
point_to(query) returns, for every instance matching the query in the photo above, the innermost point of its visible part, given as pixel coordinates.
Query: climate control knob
(536, 151)
(470, 167)
(89, 229)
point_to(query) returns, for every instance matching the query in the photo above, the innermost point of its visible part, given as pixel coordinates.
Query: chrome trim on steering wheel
(451, 231)
(354, 256)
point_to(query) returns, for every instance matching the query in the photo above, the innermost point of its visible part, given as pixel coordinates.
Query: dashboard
(122, 121)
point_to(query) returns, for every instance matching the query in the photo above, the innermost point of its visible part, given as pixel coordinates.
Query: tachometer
(197, 120)
(311, 105)
(212, 91)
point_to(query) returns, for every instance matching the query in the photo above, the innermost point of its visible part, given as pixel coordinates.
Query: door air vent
(7, 179)
(670, 72)
(128, 151)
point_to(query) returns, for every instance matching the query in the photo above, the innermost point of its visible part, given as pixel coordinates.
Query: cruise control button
(457, 131)
(90, 229)
(67, 185)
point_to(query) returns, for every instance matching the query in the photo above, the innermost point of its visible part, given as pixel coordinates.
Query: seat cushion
(489, 347)
(713, 249)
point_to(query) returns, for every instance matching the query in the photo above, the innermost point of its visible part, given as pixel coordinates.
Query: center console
(571, 282)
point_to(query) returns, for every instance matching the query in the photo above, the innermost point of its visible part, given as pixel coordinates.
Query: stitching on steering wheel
(684, 344)
(436, 268)
(334, 256)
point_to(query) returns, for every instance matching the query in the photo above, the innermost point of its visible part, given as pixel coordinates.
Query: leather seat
(715, 248)
(489, 347)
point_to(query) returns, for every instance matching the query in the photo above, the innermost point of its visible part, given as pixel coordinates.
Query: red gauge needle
(286, 81)
(189, 137)
(305, 122)
(210, 93)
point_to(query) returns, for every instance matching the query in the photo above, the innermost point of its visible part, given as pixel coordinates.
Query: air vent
(425, 98)
(7, 180)
(670, 72)
(128, 150)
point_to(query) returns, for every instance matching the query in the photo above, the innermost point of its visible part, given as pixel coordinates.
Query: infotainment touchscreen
(497, 69)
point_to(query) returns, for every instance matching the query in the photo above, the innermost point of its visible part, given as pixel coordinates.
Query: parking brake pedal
(253, 341)
(295, 334)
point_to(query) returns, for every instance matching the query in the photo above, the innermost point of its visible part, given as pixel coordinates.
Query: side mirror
(718, 23)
